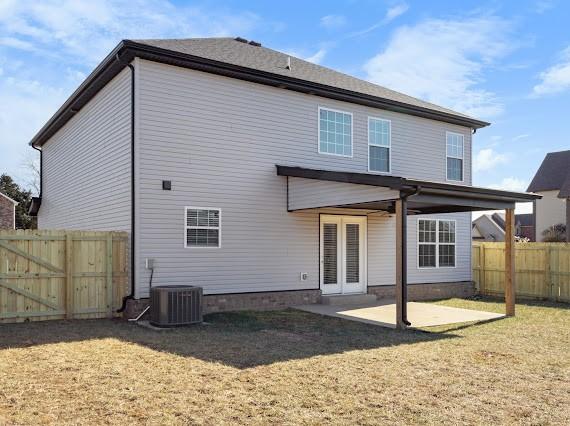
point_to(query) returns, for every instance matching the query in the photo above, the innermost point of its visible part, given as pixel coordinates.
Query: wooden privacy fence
(542, 270)
(61, 274)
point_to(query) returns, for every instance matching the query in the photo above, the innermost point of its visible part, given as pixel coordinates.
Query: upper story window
(379, 145)
(335, 132)
(203, 227)
(454, 156)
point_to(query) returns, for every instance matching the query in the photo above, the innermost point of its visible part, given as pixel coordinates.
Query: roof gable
(8, 198)
(553, 174)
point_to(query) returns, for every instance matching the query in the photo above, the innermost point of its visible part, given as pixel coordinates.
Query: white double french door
(343, 254)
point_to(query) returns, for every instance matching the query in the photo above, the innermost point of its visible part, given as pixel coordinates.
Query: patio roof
(423, 196)
(403, 196)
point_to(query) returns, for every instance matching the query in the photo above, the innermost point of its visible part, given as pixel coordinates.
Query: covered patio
(317, 189)
(383, 313)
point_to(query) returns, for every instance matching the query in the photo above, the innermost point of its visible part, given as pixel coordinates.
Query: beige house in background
(552, 181)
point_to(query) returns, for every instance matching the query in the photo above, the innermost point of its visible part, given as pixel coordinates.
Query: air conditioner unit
(175, 305)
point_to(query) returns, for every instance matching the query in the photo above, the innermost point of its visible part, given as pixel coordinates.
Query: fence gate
(61, 274)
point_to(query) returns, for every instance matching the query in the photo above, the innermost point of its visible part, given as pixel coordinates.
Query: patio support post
(510, 262)
(401, 264)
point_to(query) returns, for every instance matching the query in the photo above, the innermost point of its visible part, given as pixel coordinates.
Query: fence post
(109, 271)
(482, 269)
(69, 284)
(547, 273)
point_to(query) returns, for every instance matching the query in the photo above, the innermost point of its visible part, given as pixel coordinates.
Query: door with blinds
(343, 254)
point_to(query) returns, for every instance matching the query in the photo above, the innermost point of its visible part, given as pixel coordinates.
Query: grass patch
(290, 367)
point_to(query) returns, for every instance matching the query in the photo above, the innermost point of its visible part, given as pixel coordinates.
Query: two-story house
(552, 181)
(263, 178)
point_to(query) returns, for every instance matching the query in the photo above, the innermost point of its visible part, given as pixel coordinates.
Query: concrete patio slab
(384, 313)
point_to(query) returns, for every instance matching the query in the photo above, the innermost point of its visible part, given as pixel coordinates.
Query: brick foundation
(259, 301)
(236, 302)
(135, 307)
(284, 299)
(429, 291)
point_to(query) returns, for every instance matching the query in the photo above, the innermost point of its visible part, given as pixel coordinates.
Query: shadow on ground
(240, 339)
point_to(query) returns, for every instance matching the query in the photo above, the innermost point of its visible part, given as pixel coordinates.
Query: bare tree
(555, 234)
(31, 171)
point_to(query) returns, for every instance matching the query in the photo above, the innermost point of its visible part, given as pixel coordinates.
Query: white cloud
(64, 39)
(442, 61)
(519, 137)
(25, 105)
(391, 14)
(543, 6)
(555, 79)
(396, 11)
(510, 184)
(16, 43)
(333, 21)
(89, 30)
(317, 57)
(487, 158)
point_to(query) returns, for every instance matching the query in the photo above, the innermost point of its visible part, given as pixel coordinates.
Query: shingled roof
(232, 51)
(553, 174)
(240, 59)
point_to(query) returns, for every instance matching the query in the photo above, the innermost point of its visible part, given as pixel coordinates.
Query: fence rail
(542, 270)
(61, 274)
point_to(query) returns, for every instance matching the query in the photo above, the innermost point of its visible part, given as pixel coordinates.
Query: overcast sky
(507, 62)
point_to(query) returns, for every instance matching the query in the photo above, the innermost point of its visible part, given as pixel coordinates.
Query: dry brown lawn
(289, 367)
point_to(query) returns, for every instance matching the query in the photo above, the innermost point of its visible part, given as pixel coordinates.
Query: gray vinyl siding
(86, 165)
(312, 193)
(382, 254)
(218, 140)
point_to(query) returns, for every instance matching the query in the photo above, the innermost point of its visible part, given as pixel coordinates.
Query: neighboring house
(552, 181)
(7, 212)
(263, 178)
(489, 227)
(524, 226)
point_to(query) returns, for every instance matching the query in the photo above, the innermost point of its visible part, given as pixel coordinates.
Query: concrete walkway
(383, 313)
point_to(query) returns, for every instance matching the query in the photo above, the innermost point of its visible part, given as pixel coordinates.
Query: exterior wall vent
(172, 306)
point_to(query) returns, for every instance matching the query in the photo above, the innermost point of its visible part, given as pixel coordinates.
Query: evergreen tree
(22, 196)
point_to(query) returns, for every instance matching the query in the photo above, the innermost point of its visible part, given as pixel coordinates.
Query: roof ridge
(280, 52)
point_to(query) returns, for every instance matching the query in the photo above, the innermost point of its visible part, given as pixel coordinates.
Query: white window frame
(437, 244)
(319, 132)
(457, 158)
(186, 227)
(382, 146)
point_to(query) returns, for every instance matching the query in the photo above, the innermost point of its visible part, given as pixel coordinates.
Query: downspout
(132, 292)
(36, 203)
(404, 198)
(41, 170)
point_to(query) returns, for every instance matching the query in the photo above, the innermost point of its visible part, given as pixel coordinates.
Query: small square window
(203, 227)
